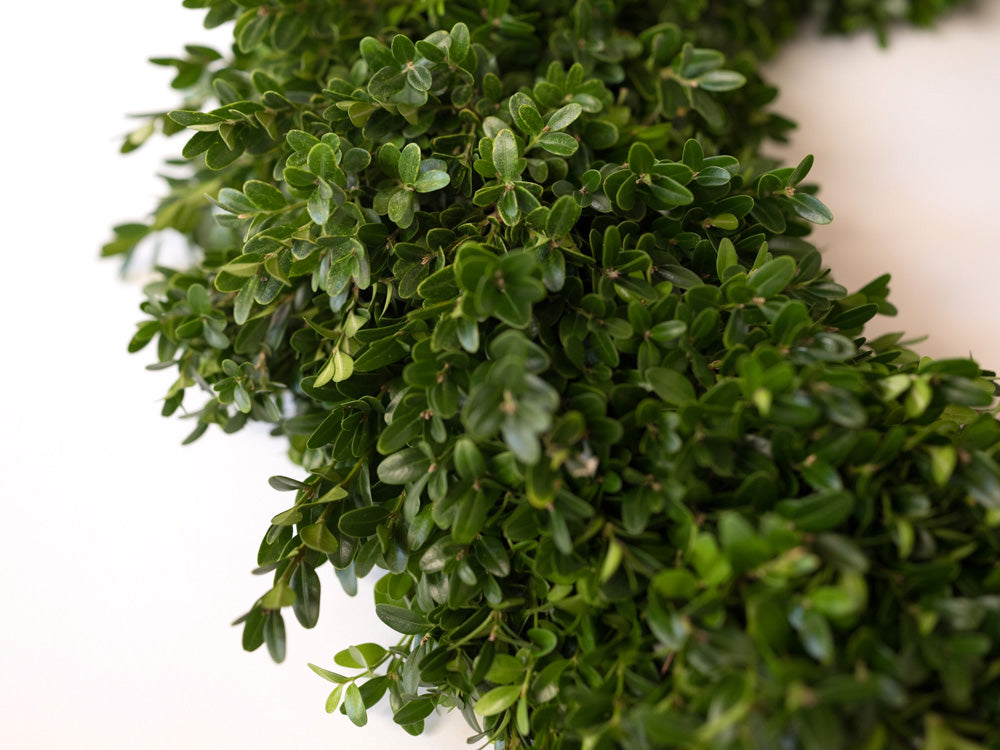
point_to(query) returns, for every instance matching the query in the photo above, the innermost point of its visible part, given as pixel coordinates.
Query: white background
(125, 556)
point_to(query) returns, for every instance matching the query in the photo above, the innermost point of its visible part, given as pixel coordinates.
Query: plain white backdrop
(125, 556)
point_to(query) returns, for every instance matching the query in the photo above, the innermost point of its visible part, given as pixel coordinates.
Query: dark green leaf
(414, 711)
(641, 158)
(274, 635)
(563, 217)
(401, 619)
(772, 277)
(306, 585)
(403, 467)
(670, 385)
(811, 208)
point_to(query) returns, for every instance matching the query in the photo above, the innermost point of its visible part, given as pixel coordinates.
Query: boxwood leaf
(404, 466)
(460, 42)
(409, 164)
(505, 156)
(497, 700)
(306, 585)
(720, 80)
(563, 217)
(561, 144)
(318, 537)
(355, 706)
(265, 197)
(363, 522)
(433, 179)
(279, 596)
(401, 619)
(564, 116)
(274, 635)
(811, 208)
(670, 385)
(772, 277)
(414, 711)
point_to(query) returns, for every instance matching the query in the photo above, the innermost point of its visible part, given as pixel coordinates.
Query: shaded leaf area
(557, 358)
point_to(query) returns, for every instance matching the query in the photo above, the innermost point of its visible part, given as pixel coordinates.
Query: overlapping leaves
(572, 378)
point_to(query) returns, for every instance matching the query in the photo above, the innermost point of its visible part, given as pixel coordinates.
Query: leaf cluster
(549, 340)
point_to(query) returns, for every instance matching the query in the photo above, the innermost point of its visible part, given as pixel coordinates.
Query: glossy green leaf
(306, 585)
(624, 458)
(362, 522)
(318, 537)
(414, 711)
(561, 144)
(641, 158)
(274, 635)
(497, 700)
(563, 117)
(563, 217)
(404, 466)
(811, 208)
(772, 277)
(505, 155)
(401, 619)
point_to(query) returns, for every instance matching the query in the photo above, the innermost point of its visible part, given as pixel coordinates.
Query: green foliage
(548, 338)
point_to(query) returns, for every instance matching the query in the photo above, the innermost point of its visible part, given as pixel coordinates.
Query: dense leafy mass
(547, 336)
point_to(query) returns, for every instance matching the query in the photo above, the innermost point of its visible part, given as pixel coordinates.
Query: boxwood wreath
(546, 334)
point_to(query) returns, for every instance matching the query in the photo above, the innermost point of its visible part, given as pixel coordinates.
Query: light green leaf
(561, 144)
(505, 156)
(280, 596)
(460, 42)
(265, 197)
(318, 537)
(355, 705)
(720, 80)
(497, 700)
(563, 117)
(409, 164)
(675, 583)
(432, 179)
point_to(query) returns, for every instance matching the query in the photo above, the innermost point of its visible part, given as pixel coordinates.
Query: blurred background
(125, 556)
(905, 140)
